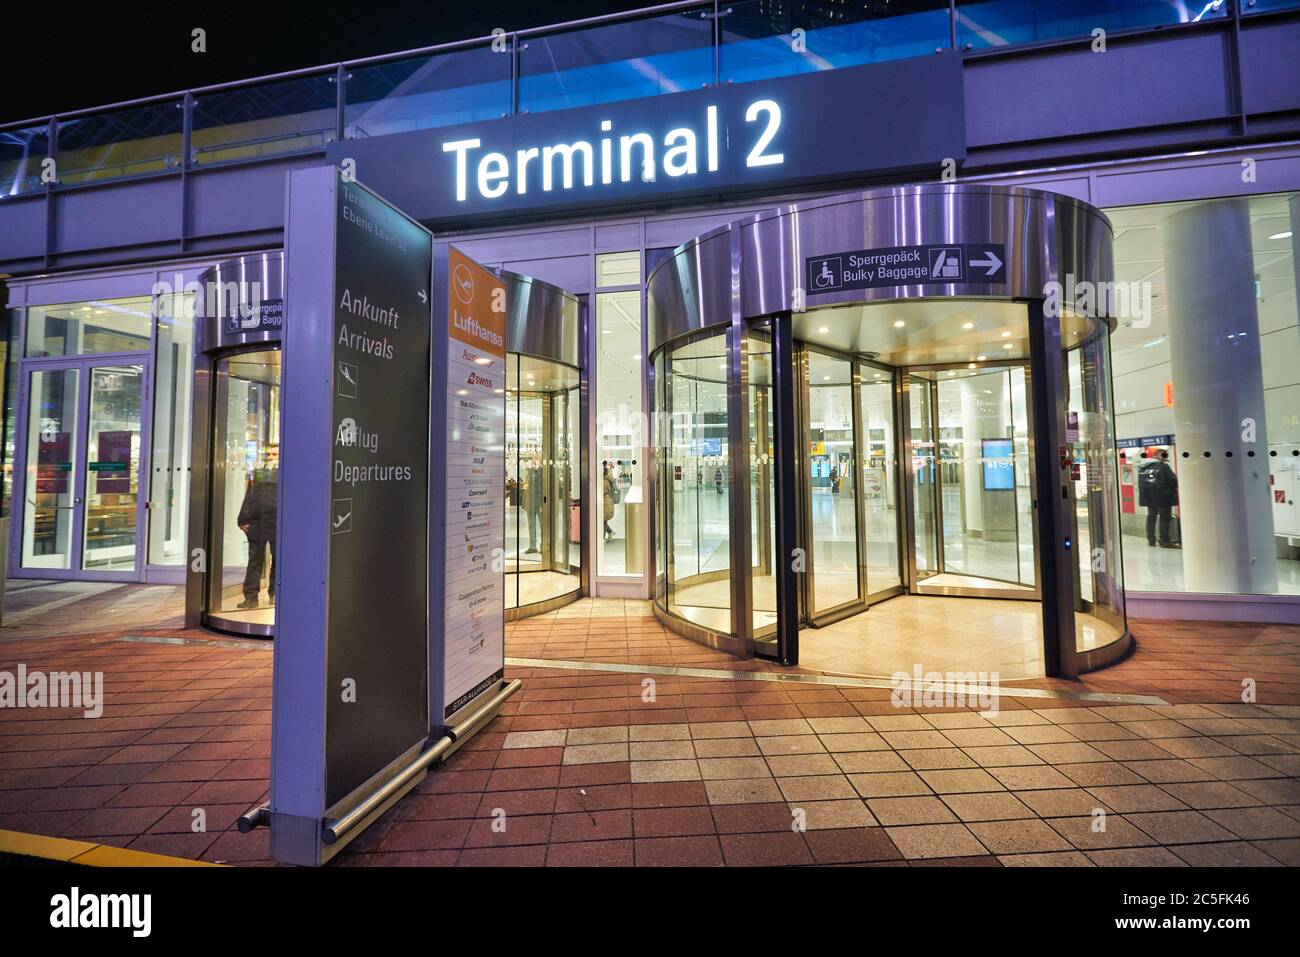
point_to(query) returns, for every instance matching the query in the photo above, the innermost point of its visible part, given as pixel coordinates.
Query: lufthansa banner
(467, 581)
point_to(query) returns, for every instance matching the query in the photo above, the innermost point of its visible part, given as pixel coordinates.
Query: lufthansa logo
(463, 280)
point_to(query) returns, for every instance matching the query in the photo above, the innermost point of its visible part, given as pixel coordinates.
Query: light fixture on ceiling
(1008, 345)
(823, 329)
(980, 358)
(968, 325)
(899, 323)
(1006, 335)
(1282, 235)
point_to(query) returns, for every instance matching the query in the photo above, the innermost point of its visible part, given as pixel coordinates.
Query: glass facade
(557, 68)
(620, 547)
(1207, 381)
(169, 465)
(543, 526)
(695, 482)
(245, 486)
(82, 328)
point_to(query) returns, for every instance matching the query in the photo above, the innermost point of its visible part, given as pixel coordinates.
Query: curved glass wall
(915, 472)
(543, 521)
(245, 487)
(1094, 474)
(694, 483)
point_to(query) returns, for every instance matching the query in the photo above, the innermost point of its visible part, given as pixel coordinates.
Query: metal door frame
(894, 382)
(809, 613)
(1019, 594)
(218, 395)
(83, 364)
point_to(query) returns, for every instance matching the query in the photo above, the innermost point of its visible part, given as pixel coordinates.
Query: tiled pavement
(596, 767)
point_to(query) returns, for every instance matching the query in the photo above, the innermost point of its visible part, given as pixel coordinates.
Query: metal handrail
(185, 99)
(325, 69)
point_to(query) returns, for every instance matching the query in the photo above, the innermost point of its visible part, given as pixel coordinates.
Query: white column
(1214, 352)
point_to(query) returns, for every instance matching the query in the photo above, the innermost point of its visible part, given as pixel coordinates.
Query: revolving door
(851, 434)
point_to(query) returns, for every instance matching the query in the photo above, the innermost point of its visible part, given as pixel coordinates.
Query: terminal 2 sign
(828, 126)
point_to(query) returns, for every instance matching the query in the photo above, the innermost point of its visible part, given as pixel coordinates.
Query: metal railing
(654, 50)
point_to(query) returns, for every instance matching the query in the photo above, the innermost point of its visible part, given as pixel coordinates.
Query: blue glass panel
(995, 23)
(616, 61)
(285, 116)
(461, 86)
(763, 39)
(1265, 6)
(143, 139)
(21, 153)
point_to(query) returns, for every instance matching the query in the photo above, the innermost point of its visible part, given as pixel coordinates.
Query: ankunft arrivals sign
(469, 487)
(897, 116)
(378, 538)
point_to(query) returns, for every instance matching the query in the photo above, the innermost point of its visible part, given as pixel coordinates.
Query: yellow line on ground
(86, 853)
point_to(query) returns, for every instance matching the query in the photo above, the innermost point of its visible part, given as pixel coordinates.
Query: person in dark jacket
(257, 520)
(1158, 492)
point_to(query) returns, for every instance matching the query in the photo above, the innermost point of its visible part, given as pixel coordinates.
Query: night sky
(70, 55)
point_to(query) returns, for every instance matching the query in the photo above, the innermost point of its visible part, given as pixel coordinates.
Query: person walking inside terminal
(1158, 493)
(610, 496)
(257, 521)
(532, 492)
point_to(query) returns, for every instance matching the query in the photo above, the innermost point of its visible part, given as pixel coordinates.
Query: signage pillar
(350, 692)
(466, 490)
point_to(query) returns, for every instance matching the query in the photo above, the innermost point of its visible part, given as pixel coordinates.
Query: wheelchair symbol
(827, 278)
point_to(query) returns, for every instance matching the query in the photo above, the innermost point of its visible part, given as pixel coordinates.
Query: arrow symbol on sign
(992, 264)
(424, 297)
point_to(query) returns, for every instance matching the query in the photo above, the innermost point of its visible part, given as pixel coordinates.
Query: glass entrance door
(973, 481)
(245, 490)
(82, 510)
(832, 517)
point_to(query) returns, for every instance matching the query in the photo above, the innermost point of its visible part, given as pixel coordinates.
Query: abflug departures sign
(379, 490)
(837, 124)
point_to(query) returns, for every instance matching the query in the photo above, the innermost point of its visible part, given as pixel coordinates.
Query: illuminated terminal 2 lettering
(580, 163)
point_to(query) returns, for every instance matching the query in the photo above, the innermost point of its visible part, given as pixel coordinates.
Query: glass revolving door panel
(245, 485)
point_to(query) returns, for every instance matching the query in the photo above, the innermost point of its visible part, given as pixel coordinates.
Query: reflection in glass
(620, 549)
(984, 476)
(543, 521)
(50, 489)
(1095, 481)
(832, 471)
(112, 468)
(83, 328)
(879, 485)
(169, 459)
(616, 61)
(762, 481)
(924, 475)
(245, 480)
(761, 39)
(695, 483)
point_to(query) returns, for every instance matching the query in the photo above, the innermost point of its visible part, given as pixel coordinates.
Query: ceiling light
(971, 366)
(968, 325)
(823, 329)
(1008, 345)
(1285, 235)
(1006, 335)
(980, 358)
(899, 323)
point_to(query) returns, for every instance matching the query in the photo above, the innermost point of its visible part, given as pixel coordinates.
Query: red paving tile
(188, 727)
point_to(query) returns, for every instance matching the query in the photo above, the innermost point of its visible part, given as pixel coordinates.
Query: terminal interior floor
(937, 633)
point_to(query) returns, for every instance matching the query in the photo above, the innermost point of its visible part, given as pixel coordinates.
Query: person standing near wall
(1158, 492)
